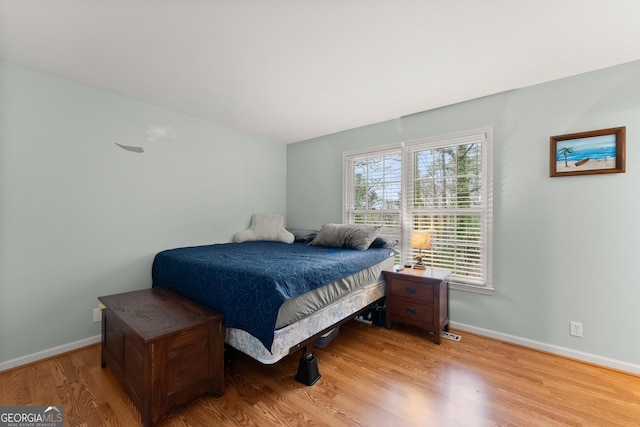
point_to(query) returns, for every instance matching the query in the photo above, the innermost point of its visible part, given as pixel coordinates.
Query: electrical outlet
(576, 329)
(97, 315)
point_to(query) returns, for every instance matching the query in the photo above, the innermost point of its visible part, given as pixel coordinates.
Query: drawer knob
(411, 290)
(410, 310)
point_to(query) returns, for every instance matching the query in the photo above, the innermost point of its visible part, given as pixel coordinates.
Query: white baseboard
(561, 351)
(30, 358)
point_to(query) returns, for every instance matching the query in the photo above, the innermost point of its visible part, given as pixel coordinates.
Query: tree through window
(441, 185)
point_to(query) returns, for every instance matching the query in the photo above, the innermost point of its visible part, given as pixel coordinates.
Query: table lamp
(420, 240)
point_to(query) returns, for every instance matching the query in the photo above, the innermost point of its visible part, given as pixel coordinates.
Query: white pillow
(265, 227)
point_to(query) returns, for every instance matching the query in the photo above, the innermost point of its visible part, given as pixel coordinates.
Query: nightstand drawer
(412, 312)
(414, 291)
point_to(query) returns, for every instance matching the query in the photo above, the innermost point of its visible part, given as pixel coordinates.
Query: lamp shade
(420, 240)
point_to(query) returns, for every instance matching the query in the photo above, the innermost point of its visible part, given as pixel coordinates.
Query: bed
(275, 296)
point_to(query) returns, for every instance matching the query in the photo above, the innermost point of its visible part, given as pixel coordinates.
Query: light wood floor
(370, 377)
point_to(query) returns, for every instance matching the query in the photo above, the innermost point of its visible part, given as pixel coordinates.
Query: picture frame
(587, 153)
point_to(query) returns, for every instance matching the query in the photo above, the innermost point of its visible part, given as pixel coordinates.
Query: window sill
(470, 288)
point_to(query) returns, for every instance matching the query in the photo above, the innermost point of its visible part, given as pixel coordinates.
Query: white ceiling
(291, 70)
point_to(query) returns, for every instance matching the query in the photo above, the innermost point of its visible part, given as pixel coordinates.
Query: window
(449, 194)
(442, 185)
(373, 190)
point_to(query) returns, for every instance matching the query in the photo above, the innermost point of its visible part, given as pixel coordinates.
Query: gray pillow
(356, 236)
(305, 235)
(384, 242)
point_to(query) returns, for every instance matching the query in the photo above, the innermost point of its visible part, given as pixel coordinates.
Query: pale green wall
(80, 217)
(564, 248)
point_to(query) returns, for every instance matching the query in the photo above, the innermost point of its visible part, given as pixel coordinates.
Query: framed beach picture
(586, 153)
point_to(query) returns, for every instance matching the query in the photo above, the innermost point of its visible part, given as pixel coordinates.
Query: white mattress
(293, 334)
(305, 305)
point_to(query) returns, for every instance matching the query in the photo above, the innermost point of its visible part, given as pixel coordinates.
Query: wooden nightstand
(419, 298)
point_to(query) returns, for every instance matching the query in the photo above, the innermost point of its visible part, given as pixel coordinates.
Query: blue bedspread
(248, 282)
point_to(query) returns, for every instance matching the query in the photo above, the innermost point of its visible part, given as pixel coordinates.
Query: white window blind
(373, 189)
(448, 190)
(441, 185)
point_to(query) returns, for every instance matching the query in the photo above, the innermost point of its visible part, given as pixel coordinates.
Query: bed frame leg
(308, 373)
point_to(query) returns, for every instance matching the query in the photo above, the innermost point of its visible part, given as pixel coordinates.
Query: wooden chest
(163, 348)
